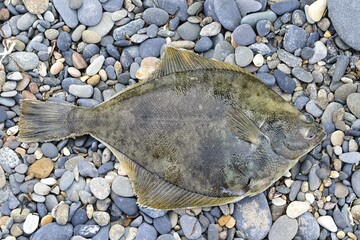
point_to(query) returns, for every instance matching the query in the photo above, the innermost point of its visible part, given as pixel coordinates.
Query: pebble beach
(83, 52)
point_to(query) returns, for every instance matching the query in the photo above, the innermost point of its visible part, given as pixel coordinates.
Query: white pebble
(31, 223)
(328, 223)
(258, 60)
(297, 208)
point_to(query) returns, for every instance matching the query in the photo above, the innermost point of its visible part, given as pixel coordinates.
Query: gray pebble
(66, 180)
(179, 8)
(244, 35)
(82, 91)
(49, 150)
(355, 179)
(314, 180)
(67, 14)
(312, 108)
(340, 67)
(127, 205)
(190, 226)
(350, 157)
(266, 78)
(243, 56)
(298, 17)
(289, 58)
(285, 6)
(302, 74)
(113, 5)
(75, 4)
(251, 211)
(155, 16)
(222, 50)
(86, 231)
(248, 6)
(146, 231)
(122, 187)
(153, 213)
(284, 228)
(90, 13)
(285, 83)
(64, 41)
(295, 38)
(263, 27)
(203, 45)
(53, 231)
(162, 224)
(307, 53)
(25, 21)
(151, 47)
(189, 31)
(128, 30)
(253, 18)
(166, 237)
(228, 13)
(308, 227)
(23, 61)
(152, 31)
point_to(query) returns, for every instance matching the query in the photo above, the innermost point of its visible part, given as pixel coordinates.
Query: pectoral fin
(242, 126)
(154, 192)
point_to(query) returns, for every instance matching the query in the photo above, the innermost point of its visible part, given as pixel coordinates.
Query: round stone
(155, 16)
(49, 150)
(116, 232)
(284, 228)
(341, 191)
(244, 35)
(285, 6)
(350, 157)
(263, 27)
(95, 66)
(243, 56)
(355, 179)
(337, 138)
(285, 83)
(89, 36)
(203, 45)
(211, 29)
(31, 223)
(308, 227)
(82, 91)
(100, 188)
(295, 38)
(54, 231)
(258, 60)
(151, 47)
(101, 218)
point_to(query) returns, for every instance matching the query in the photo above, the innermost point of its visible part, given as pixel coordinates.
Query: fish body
(197, 133)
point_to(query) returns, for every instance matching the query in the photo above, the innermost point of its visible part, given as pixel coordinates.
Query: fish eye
(308, 133)
(306, 118)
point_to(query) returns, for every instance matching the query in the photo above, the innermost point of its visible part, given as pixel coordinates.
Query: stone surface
(353, 101)
(54, 231)
(41, 168)
(297, 208)
(346, 27)
(228, 13)
(308, 227)
(100, 188)
(253, 217)
(22, 61)
(36, 6)
(295, 38)
(155, 16)
(190, 226)
(244, 35)
(122, 187)
(90, 13)
(68, 15)
(284, 228)
(328, 223)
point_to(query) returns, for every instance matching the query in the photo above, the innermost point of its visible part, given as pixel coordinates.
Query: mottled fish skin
(213, 134)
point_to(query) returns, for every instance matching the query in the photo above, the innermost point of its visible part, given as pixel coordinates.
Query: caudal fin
(44, 121)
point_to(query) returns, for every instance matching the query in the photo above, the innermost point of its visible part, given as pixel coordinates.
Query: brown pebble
(4, 14)
(56, 68)
(3, 220)
(23, 83)
(230, 223)
(33, 88)
(46, 220)
(94, 80)
(78, 61)
(223, 220)
(28, 95)
(20, 151)
(41, 168)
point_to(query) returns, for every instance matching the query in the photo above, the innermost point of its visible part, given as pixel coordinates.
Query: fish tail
(46, 121)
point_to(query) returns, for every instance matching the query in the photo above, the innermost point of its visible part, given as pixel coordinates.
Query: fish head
(295, 135)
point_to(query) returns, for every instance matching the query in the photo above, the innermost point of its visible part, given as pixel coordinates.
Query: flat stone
(285, 83)
(175, 7)
(64, 41)
(155, 16)
(228, 13)
(101, 218)
(243, 56)
(350, 157)
(244, 35)
(82, 91)
(316, 10)
(112, 5)
(89, 36)
(248, 6)
(355, 179)
(295, 38)
(289, 59)
(302, 74)
(342, 18)
(49, 150)
(66, 180)
(308, 226)
(146, 231)
(122, 187)
(328, 223)
(297, 208)
(320, 52)
(162, 224)
(342, 92)
(190, 226)
(31, 223)
(8, 157)
(53, 231)
(284, 228)
(36, 6)
(90, 13)
(285, 6)
(204, 44)
(253, 217)
(95, 66)
(86, 231)
(22, 61)
(222, 50)
(128, 30)
(41, 168)
(67, 14)
(116, 232)
(2, 178)
(341, 191)
(151, 47)
(189, 31)
(353, 101)
(100, 188)
(266, 78)
(211, 29)
(104, 26)
(25, 21)
(253, 18)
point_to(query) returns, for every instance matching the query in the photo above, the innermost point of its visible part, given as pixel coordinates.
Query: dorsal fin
(180, 60)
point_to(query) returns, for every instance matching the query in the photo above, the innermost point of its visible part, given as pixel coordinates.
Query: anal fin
(154, 192)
